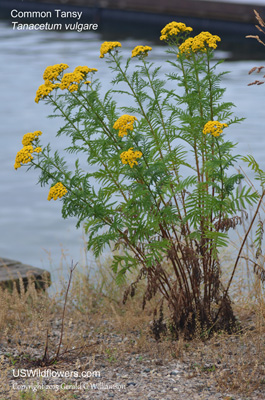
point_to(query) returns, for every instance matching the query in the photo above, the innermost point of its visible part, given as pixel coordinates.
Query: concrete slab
(11, 271)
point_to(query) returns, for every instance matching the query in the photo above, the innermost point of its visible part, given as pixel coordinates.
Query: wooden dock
(11, 272)
(216, 10)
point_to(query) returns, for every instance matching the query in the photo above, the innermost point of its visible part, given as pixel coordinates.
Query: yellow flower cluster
(83, 70)
(29, 137)
(73, 87)
(52, 72)
(44, 90)
(106, 47)
(141, 51)
(199, 43)
(124, 123)
(24, 155)
(173, 29)
(58, 190)
(129, 157)
(215, 128)
(71, 80)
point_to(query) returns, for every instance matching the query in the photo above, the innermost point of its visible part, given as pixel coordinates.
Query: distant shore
(222, 16)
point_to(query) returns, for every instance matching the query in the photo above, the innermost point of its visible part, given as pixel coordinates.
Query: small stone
(131, 384)
(175, 372)
(146, 370)
(150, 394)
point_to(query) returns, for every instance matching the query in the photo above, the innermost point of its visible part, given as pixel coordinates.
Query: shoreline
(223, 17)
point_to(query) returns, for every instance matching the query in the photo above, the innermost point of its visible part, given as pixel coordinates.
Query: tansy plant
(166, 193)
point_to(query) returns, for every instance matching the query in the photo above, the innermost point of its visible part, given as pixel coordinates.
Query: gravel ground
(107, 375)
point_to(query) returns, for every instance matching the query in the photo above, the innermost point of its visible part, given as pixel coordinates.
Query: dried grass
(260, 26)
(95, 309)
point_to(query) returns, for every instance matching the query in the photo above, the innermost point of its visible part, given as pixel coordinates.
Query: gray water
(32, 229)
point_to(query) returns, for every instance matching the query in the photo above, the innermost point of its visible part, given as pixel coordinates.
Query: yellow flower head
(199, 43)
(83, 70)
(215, 128)
(58, 190)
(73, 87)
(130, 156)
(71, 78)
(106, 47)
(141, 51)
(29, 137)
(173, 29)
(52, 72)
(44, 90)
(23, 156)
(124, 123)
(92, 69)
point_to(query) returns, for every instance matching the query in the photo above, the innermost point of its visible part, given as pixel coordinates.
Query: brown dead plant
(260, 27)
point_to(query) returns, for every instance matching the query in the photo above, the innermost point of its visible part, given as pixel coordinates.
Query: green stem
(89, 145)
(104, 126)
(139, 103)
(239, 255)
